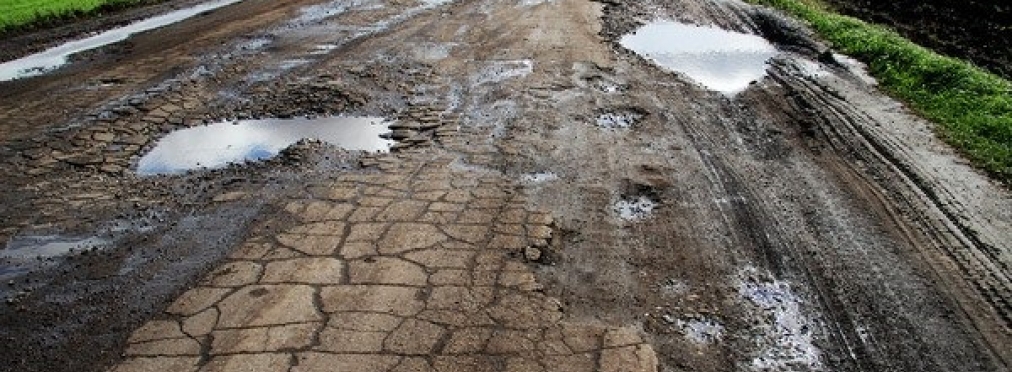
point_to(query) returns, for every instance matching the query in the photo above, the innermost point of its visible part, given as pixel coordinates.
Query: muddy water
(48, 246)
(51, 59)
(219, 144)
(719, 60)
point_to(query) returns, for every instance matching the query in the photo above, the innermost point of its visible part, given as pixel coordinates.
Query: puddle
(434, 3)
(499, 71)
(324, 49)
(538, 177)
(289, 64)
(217, 145)
(432, 51)
(50, 59)
(535, 2)
(634, 209)
(787, 340)
(857, 68)
(256, 43)
(701, 331)
(317, 13)
(48, 246)
(720, 60)
(674, 287)
(618, 120)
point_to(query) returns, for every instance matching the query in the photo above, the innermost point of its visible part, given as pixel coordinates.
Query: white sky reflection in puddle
(720, 60)
(217, 145)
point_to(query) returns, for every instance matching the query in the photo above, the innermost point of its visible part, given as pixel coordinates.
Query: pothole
(217, 145)
(499, 71)
(787, 338)
(618, 119)
(637, 202)
(634, 209)
(538, 178)
(720, 60)
(701, 330)
(44, 246)
(51, 59)
(323, 49)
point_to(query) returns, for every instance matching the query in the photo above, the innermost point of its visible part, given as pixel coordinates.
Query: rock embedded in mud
(532, 254)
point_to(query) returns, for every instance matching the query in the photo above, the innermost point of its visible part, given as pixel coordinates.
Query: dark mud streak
(113, 293)
(755, 228)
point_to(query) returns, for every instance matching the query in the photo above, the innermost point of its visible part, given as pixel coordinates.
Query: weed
(26, 15)
(972, 107)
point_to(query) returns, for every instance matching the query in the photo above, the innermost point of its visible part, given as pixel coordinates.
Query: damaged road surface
(557, 185)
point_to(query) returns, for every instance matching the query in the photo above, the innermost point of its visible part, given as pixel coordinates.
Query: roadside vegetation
(972, 107)
(23, 15)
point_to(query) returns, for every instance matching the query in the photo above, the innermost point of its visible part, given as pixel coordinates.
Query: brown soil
(975, 30)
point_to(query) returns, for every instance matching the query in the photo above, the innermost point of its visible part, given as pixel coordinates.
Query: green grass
(972, 107)
(18, 15)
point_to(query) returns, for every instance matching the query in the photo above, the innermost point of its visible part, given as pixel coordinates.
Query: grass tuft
(972, 107)
(25, 15)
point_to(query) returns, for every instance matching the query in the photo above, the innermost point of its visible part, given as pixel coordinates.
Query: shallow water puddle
(701, 331)
(48, 246)
(622, 119)
(720, 60)
(538, 178)
(217, 145)
(634, 209)
(499, 71)
(788, 340)
(50, 59)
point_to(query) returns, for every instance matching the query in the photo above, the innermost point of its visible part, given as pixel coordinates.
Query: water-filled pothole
(217, 145)
(48, 246)
(618, 119)
(787, 335)
(499, 71)
(634, 209)
(50, 59)
(701, 330)
(720, 60)
(538, 178)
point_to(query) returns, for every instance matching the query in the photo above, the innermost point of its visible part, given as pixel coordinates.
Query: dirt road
(554, 202)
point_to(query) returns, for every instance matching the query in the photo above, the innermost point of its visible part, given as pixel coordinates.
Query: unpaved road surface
(808, 223)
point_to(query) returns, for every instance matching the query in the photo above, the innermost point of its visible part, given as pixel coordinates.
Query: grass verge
(972, 107)
(25, 15)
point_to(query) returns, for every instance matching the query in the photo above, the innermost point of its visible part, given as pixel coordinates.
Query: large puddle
(51, 59)
(720, 60)
(217, 145)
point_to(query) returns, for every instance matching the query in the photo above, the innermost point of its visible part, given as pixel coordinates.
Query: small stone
(103, 137)
(532, 254)
(230, 196)
(137, 139)
(111, 169)
(401, 134)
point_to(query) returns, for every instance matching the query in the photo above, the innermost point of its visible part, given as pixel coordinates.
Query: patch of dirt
(16, 44)
(975, 30)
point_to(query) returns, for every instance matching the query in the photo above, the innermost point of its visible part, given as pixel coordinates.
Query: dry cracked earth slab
(415, 269)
